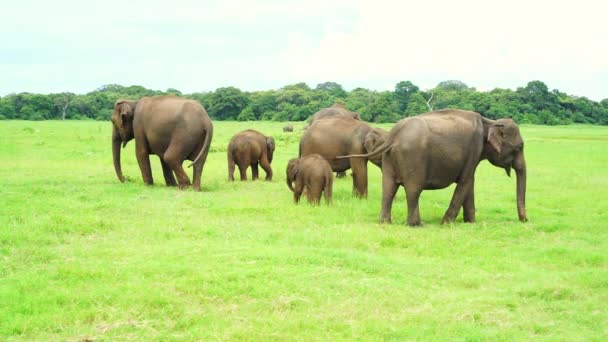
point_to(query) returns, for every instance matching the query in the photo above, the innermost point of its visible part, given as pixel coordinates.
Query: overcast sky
(77, 46)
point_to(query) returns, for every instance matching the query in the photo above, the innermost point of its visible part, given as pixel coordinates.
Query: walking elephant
(250, 148)
(171, 127)
(340, 136)
(313, 173)
(433, 150)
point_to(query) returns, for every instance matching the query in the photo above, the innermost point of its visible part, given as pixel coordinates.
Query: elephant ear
(495, 136)
(270, 143)
(293, 168)
(125, 111)
(371, 141)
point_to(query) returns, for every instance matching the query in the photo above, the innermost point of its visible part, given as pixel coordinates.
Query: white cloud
(484, 43)
(194, 45)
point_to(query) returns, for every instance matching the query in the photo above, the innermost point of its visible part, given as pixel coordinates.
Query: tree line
(534, 103)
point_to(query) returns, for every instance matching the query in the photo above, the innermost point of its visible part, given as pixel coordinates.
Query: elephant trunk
(519, 165)
(116, 154)
(289, 183)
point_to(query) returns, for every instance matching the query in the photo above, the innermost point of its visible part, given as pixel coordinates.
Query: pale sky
(193, 46)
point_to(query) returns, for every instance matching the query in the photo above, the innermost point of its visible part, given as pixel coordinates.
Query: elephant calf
(312, 172)
(250, 148)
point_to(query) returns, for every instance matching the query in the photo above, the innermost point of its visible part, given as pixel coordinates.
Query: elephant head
(122, 132)
(270, 148)
(504, 148)
(292, 172)
(373, 139)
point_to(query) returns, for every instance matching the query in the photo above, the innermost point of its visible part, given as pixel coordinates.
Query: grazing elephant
(339, 136)
(288, 128)
(248, 148)
(433, 150)
(173, 128)
(337, 109)
(313, 173)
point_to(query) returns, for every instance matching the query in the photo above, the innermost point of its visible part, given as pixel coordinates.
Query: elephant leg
(243, 171)
(265, 164)
(413, 210)
(168, 173)
(460, 193)
(314, 193)
(231, 166)
(359, 167)
(254, 170)
(143, 160)
(468, 207)
(458, 198)
(172, 158)
(389, 189)
(297, 191)
(327, 190)
(197, 173)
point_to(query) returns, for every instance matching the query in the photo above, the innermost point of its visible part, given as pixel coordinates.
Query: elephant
(313, 173)
(338, 136)
(288, 128)
(248, 148)
(435, 149)
(171, 127)
(337, 109)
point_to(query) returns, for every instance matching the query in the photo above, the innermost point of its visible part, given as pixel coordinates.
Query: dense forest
(534, 103)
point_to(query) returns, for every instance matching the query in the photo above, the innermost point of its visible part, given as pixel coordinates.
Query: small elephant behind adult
(337, 109)
(288, 128)
(312, 172)
(250, 148)
(173, 128)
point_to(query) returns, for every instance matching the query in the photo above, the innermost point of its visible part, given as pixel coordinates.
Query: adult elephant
(433, 150)
(171, 127)
(250, 148)
(337, 109)
(337, 136)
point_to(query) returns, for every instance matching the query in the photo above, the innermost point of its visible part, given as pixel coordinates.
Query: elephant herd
(424, 152)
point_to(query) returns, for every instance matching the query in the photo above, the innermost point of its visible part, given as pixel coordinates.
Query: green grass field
(83, 256)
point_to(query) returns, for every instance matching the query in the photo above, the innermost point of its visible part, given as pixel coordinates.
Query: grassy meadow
(85, 257)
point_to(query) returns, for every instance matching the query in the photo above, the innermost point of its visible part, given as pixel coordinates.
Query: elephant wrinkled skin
(250, 148)
(312, 173)
(433, 150)
(171, 127)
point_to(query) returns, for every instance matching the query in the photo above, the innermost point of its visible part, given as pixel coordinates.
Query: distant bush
(534, 103)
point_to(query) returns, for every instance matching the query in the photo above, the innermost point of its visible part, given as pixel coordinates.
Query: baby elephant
(248, 148)
(314, 173)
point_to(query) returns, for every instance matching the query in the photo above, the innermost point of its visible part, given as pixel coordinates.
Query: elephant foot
(447, 221)
(415, 224)
(385, 220)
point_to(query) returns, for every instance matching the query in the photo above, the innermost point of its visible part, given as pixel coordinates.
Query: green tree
(403, 93)
(227, 103)
(332, 89)
(7, 109)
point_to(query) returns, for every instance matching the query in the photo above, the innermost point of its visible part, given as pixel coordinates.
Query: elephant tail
(382, 148)
(206, 144)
